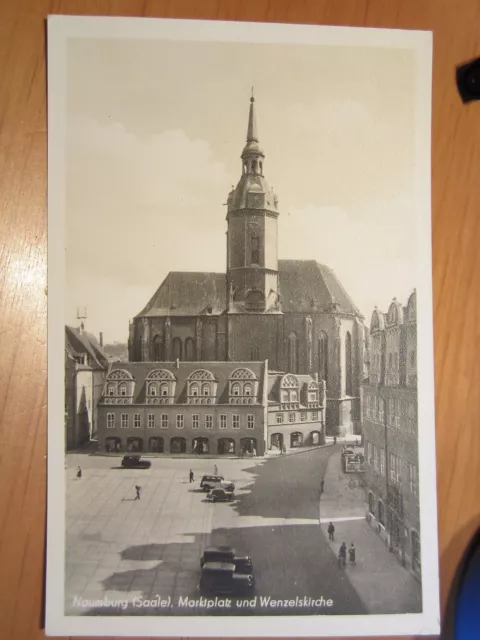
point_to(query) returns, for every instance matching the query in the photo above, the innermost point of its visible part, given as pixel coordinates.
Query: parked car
(135, 462)
(221, 578)
(220, 495)
(207, 483)
(243, 564)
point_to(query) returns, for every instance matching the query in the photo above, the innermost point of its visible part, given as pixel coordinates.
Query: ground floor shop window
(276, 440)
(249, 445)
(226, 446)
(113, 444)
(155, 445)
(315, 437)
(178, 445)
(134, 444)
(200, 445)
(296, 439)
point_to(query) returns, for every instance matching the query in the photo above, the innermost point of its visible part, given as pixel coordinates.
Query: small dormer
(289, 392)
(119, 387)
(201, 387)
(242, 387)
(160, 387)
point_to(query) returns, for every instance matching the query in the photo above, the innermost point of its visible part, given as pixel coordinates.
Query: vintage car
(220, 495)
(221, 578)
(207, 483)
(135, 462)
(243, 564)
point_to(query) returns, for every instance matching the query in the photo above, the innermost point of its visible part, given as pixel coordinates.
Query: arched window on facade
(164, 389)
(158, 349)
(122, 389)
(194, 389)
(235, 389)
(348, 365)
(206, 389)
(177, 349)
(292, 353)
(247, 389)
(189, 350)
(152, 389)
(323, 356)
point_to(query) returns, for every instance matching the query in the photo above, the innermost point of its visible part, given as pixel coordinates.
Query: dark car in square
(135, 462)
(220, 495)
(207, 483)
(243, 564)
(222, 578)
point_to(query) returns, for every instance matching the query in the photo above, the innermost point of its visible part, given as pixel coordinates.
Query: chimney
(101, 338)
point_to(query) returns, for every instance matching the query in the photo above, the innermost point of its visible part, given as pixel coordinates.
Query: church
(295, 314)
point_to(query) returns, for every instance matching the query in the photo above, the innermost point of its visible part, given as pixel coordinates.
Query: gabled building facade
(390, 429)
(293, 313)
(86, 365)
(214, 408)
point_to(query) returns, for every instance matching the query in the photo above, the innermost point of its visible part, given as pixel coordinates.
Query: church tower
(252, 235)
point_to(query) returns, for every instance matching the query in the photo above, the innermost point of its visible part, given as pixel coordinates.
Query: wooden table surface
(456, 263)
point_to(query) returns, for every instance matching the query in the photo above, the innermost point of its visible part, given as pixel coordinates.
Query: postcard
(241, 398)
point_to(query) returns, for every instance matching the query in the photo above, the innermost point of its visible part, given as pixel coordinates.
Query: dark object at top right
(468, 81)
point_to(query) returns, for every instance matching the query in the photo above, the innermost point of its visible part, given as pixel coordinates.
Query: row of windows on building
(179, 421)
(292, 417)
(396, 467)
(398, 412)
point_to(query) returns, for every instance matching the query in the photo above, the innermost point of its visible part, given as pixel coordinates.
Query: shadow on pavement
(291, 564)
(284, 488)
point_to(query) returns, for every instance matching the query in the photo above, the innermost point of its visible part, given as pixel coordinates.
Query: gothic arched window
(323, 356)
(348, 365)
(194, 389)
(292, 353)
(157, 349)
(189, 350)
(177, 349)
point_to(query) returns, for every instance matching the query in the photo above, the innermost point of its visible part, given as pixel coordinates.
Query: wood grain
(456, 258)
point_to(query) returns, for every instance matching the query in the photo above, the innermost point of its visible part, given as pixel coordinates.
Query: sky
(154, 133)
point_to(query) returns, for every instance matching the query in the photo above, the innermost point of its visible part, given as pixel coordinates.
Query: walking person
(215, 470)
(342, 554)
(352, 553)
(334, 439)
(331, 531)
(79, 472)
(191, 476)
(322, 485)
(138, 489)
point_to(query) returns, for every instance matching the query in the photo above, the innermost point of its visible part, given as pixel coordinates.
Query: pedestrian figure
(342, 554)
(334, 439)
(215, 470)
(254, 452)
(79, 472)
(322, 485)
(138, 490)
(351, 554)
(331, 531)
(284, 449)
(191, 476)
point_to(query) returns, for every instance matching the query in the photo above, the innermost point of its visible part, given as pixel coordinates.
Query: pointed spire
(252, 135)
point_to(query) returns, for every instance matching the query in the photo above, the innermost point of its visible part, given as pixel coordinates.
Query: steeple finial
(252, 135)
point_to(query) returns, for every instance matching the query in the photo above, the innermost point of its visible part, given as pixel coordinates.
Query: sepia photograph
(241, 407)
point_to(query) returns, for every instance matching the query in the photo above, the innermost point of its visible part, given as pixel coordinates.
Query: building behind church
(293, 313)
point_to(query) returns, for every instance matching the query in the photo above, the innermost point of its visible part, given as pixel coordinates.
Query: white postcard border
(60, 29)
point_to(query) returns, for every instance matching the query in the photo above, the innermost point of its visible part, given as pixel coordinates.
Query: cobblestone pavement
(126, 551)
(143, 555)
